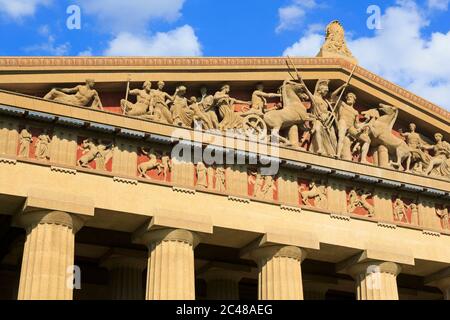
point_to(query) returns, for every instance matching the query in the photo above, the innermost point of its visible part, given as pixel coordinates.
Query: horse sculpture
(293, 112)
(381, 133)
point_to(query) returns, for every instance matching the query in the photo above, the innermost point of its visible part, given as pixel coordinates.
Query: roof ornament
(335, 44)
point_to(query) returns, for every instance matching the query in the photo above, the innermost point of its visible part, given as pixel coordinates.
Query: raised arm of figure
(337, 92)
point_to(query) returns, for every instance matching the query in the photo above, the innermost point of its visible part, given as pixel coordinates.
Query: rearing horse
(293, 113)
(381, 134)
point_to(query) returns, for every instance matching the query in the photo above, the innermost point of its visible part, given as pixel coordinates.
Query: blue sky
(411, 49)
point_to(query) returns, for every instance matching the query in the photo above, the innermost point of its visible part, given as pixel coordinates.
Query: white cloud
(291, 16)
(17, 9)
(49, 46)
(306, 46)
(131, 15)
(178, 42)
(399, 52)
(438, 4)
(86, 53)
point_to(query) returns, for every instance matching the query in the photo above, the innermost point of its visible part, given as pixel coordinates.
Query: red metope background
(304, 186)
(251, 186)
(408, 210)
(359, 210)
(153, 174)
(93, 163)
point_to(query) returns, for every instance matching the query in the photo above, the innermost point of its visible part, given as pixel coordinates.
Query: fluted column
(125, 277)
(279, 272)
(375, 280)
(48, 254)
(170, 270)
(222, 284)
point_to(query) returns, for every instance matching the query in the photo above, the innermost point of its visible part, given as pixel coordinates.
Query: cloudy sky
(409, 46)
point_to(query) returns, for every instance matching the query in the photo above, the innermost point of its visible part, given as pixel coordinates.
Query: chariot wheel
(255, 127)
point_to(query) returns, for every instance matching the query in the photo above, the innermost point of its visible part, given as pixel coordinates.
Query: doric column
(375, 280)
(48, 255)
(279, 272)
(170, 270)
(125, 276)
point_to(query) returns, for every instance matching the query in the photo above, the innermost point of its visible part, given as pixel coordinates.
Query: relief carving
(100, 152)
(443, 214)
(359, 199)
(263, 186)
(162, 167)
(315, 192)
(25, 140)
(42, 148)
(81, 95)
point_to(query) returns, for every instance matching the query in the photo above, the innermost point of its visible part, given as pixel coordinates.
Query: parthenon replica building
(283, 178)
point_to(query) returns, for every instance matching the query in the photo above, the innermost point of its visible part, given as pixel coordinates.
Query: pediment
(37, 76)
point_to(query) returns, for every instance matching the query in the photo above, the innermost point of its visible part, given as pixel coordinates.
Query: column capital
(272, 251)
(152, 236)
(373, 267)
(29, 220)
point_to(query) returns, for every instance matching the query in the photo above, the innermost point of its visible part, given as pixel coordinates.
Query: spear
(333, 116)
(128, 87)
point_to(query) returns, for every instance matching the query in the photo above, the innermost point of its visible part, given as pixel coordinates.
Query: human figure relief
(151, 164)
(25, 140)
(268, 188)
(160, 100)
(202, 177)
(324, 140)
(143, 106)
(104, 154)
(257, 180)
(200, 116)
(225, 104)
(414, 214)
(81, 95)
(42, 151)
(220, 179)
(182, 115)
(89, 153)
(439, 164)
(349, 128)
(318, 193)
(259, 101)
(166, 165)
(358, 199)
(415, 142)
(400, 210)
(444, 216)
(206, 102)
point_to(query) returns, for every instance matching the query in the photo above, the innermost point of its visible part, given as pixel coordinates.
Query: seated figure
(142, 107)
(81, 95)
